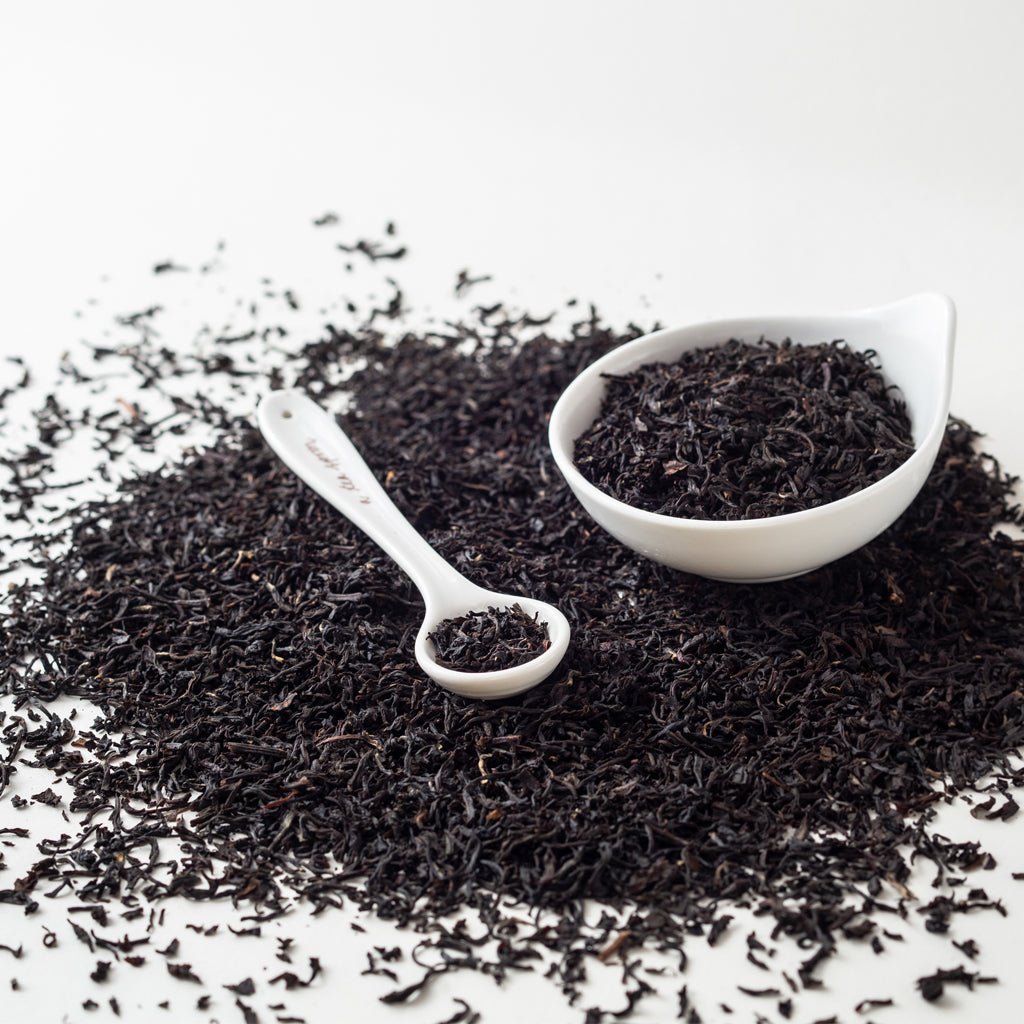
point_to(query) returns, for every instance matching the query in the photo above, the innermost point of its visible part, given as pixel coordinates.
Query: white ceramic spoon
(317, 450)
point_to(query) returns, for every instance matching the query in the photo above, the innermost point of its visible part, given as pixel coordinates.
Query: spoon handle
(310, 442)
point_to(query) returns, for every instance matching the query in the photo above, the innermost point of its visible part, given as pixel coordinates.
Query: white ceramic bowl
(914, 342)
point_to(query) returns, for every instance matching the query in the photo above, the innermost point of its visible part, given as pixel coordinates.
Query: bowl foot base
(765, 579)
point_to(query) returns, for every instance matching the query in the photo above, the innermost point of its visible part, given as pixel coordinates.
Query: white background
(677, 161)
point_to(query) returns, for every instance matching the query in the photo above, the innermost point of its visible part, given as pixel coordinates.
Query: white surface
(914, 342)
(678, 161)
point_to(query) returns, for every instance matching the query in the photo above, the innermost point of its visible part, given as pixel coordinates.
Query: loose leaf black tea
(250, 659)
(933, 986)
(486, 641)
(746, 431)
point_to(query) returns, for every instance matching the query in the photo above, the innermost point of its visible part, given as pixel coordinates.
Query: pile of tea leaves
(703, 744)
(489, 640)
(746, 430)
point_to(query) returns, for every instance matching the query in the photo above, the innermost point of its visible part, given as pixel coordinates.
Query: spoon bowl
(506, 682)
(914, 342)
(309, 441)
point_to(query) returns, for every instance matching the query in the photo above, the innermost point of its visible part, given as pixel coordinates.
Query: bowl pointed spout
(914, 341)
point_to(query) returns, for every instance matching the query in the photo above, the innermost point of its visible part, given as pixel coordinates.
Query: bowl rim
(560, 444)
